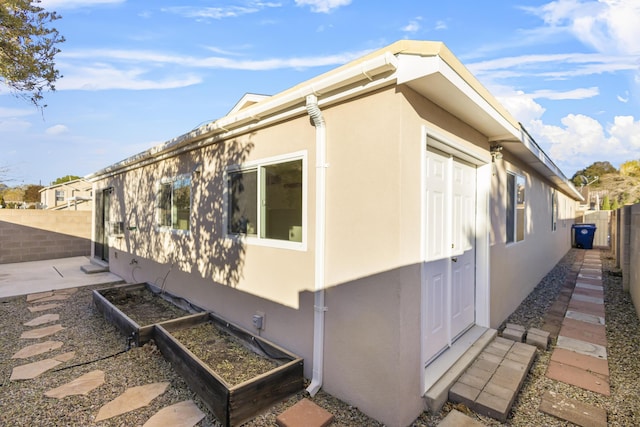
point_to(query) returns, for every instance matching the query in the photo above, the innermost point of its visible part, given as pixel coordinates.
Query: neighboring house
(70, 195)
(373, 215)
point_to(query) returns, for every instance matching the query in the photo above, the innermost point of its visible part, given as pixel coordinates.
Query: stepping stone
(513, 332)
(456, 418)
(35, 349)
(305, 413)
(42, 332)
(584, 331)
(32, 370)
(539, 338)
(43, 307)
(42, 296)
(578, 377)
(55, 297)
(81, 385)
(183, 414)
(133, 398)
(45, 318)
(572, 410)
(588, 363)
(93, 269)
(586, 298)
(582, 347)
(583, 317)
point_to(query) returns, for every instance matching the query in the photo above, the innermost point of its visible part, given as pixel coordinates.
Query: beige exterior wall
(373, 254)
(516, 268)
(74, 189)
(33, 235)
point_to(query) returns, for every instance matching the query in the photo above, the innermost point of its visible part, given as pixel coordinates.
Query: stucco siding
(516, 268)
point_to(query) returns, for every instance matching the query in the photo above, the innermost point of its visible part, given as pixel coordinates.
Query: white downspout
(321, 202)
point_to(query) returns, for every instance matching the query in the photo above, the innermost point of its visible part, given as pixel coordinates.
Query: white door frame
(482, 159)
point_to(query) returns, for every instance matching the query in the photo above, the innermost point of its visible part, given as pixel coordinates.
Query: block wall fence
(34, 235)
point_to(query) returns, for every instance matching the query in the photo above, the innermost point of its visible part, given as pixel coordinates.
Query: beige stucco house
(70, 195)
(376, 216)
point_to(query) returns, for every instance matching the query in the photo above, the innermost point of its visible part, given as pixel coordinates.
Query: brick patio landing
(492, 382)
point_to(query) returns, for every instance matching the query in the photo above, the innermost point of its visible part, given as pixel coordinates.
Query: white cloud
(413, 26)
(608, 26)
(57, 130)
(581, 93)
(624, 99)
(13, 125)
(75, 4)
(150, 57)
(15, 112)
(441, 25)
(104, 76)
(582, 139)
(323, 6)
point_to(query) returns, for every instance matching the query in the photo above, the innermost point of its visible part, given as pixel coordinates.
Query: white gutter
(321, 203)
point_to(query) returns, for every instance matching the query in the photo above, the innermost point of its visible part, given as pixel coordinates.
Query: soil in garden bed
(143, 306)
(224, 353)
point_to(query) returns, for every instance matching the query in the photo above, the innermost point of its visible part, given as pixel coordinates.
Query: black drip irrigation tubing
(129, 339)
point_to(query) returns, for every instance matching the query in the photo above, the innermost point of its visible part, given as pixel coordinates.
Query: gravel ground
(22, 403)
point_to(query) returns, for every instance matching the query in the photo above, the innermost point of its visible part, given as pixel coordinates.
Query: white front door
(449, 279)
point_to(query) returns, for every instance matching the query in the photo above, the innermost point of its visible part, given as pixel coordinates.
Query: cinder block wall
(33, 235)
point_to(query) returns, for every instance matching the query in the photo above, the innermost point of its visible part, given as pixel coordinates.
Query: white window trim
(257, 164)
(170, 180)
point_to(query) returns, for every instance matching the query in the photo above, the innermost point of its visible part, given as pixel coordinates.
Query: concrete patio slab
(37, 276)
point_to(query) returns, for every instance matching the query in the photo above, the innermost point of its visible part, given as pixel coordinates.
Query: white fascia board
(414, 67)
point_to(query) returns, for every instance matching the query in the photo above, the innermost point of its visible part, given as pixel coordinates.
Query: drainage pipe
(320, 238)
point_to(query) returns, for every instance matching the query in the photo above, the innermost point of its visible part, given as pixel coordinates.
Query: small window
(59, 195)
(516, 213)
(266, 201)
(174, 203)
(554, 210)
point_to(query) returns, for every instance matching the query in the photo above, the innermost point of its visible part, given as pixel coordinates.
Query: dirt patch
(224, 353)
(143, 306)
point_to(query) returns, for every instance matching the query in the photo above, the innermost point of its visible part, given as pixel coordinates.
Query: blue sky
(137, 73)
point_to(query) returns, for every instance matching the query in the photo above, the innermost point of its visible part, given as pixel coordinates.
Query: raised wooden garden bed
(135, 309)
(237, 374)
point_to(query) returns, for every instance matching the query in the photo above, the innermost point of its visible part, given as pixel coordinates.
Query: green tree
(64, 179)
(28, 47)
(597, 169)
(630, 168)
(615, 205)
(606, 204)
(32, 193)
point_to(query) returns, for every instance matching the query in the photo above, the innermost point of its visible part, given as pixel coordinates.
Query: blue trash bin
(584, 234)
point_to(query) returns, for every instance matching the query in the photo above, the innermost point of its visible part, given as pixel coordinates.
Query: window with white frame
(265, 200)
(516, 212)
(554, 210)
(59, 195)
(173, 209)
